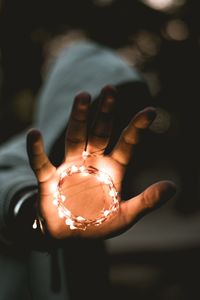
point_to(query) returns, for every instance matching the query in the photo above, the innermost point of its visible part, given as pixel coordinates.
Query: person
(76, 264)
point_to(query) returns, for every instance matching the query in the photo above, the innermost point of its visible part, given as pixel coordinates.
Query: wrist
(23, 212)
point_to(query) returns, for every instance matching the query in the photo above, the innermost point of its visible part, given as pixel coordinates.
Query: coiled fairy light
(80, 222)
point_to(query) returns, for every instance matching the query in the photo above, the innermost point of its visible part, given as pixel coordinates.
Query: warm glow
(106, 213)
(102, 177)
(74, 169)
(148, 42)
(112, 193)
(53, 187)
(61, 213)
(55, 202)
(79, 222)
(177, 30)
(82, 169)
(164, 4)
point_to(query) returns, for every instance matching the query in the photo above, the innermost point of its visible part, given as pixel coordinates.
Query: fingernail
(83, 98)
(168, 191)
(33, 134)
(109, 90)
(108, 95)
(171, 189)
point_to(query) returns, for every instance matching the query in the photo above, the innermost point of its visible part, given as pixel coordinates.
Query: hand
(84, 195)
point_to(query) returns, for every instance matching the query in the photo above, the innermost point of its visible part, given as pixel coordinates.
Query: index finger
(131, 135)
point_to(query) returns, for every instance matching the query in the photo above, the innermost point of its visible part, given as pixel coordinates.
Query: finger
(77, 128)
(102, 127)
(132, 134)
(152, 198)
(38, 160)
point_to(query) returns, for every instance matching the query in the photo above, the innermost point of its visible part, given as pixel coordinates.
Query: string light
(80, 222)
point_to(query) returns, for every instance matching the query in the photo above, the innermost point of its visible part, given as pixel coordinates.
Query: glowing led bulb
(107, 179)
(62, 198)
(85, 154)
(106, 213)
(61, 213)
(34, 224)
(56, 194)
(55, 202)
(72, 227)
(69, 222)
(112, 193)
(101, 177)
(74, 169)
(80, 219)
(67, 212)
(82, 169)
(63, 174)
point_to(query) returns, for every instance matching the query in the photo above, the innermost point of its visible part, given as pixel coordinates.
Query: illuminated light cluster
(79, 222)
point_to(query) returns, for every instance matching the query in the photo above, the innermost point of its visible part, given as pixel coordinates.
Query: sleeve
(84, 66)
(15, 176)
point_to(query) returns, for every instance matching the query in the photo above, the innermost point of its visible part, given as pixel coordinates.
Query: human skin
(114, 164)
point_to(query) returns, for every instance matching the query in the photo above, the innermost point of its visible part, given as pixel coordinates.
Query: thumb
(153, 197)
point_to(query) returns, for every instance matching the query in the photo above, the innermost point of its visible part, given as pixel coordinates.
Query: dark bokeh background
(163, 42)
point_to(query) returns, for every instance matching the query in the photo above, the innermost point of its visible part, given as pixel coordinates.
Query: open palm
(85, 196)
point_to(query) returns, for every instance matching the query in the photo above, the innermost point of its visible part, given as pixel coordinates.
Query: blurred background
(159, 258)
